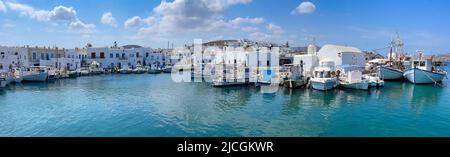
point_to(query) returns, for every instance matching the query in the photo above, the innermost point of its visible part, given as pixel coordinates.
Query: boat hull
(388, 73)
(151, 71)
(419, 76)
(18, 79)
(41, 77)
(3, 83)
(73, 74)
(359, 85)
(323, 85)
(167, 70)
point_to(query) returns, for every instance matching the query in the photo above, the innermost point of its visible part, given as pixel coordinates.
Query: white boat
(351, 77)
(374, 80)
(167, 69)
(52, 73)
(323, 79)
(73, 74)
(35, 74)
(126, 71)
(154, 70)
(3, 81)
(390, 73)
(139, 70)
(423, 72)
(18, 79)
(84, 71)
(293, 76)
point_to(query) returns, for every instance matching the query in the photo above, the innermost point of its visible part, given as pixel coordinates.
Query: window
(102, 55)
(117, 55)
(111, 55)
(93, 55)
(52, 56)
(123, 55)
(47, 56)
(42, 56)
(137, 54)
(147, 54)
(1, 66)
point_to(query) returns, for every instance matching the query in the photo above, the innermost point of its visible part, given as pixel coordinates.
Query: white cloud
(239, 20)
(2, 6)
(187, 16)
(305, 8)
(275, 29)
(59, 14)
(133, 22)
(81, 27)
(108, 19)
(249, 29)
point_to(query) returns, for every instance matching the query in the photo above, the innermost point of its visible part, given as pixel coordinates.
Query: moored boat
(72, 74)
(323, 79)
(390, 73)
(167, 69)
(3, 81)
(351, 77)
(35, 74)
(424, 72)
(420, 76)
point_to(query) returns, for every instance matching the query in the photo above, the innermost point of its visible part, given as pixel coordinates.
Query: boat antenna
(420, 53)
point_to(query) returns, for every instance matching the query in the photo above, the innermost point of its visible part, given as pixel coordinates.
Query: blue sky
(366, 24)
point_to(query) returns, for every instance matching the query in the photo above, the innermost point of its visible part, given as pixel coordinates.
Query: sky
(366, 24)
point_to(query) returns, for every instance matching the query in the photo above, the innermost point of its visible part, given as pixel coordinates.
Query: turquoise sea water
(152, 105)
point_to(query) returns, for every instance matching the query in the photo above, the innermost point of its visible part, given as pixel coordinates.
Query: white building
(342, 55)
(128, 56)
(11, 57)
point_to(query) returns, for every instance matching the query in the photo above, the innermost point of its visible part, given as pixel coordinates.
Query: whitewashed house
(11, 57)
(342, 55)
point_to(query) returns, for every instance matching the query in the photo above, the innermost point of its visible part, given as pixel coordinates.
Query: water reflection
(422, 96)
(232, 98)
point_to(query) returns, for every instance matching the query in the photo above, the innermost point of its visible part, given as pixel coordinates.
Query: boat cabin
(41, 69)
(423, 65)
(323, 72)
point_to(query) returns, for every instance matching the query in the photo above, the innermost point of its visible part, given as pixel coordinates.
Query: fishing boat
(323, 79)
(350, 76)
(393, 70)
(126, 71)
(423, 72)
(154, 70)
(324, 76)
(139, 70)
(3, 81)
(374, 80)
(18, 79)
(394, 67)
(293, 76)
(167, 69)
(35, 74)
(52, 73)
(72, 73)
(84, 71)
(390, 73)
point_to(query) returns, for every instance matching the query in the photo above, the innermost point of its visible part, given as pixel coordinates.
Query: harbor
(136, 105)
(136, 91)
